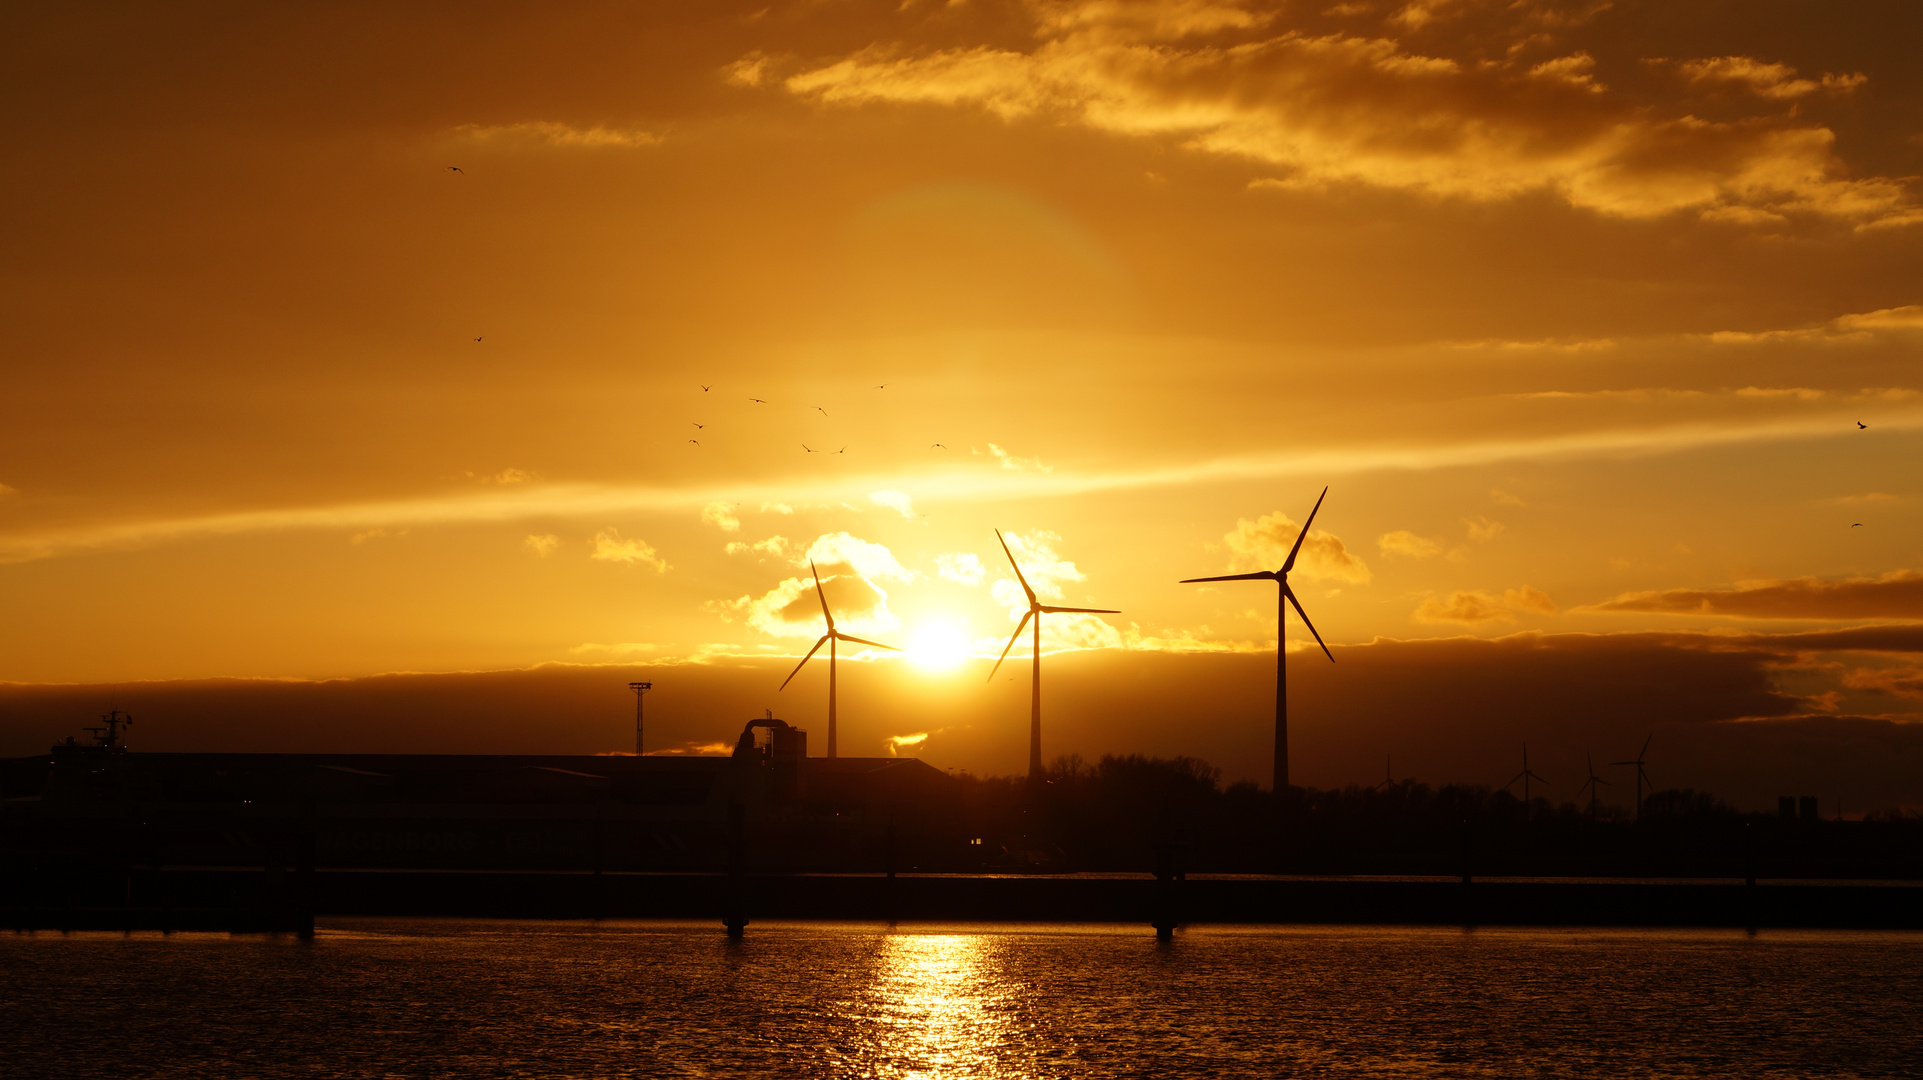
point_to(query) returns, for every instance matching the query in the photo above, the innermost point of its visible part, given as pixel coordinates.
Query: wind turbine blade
(823, 597)
(1018, 568)
(865, 641)
(1644, 752)
(1263, 575)
(1290, 565)
(1076, 610)
(1016, 636)
(1290, 593)
(811, 652)
(1513, 779)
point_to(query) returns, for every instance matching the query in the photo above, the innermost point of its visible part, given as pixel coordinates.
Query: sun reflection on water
(939, 1006)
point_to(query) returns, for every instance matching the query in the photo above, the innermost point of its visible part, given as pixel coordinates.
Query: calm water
(433, 998)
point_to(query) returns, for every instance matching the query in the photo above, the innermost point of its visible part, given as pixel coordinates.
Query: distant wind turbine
(1642, 775)
(1284, 597)
(1388, 778)
(831, 637)
(1591, 785)
(1525, 776)
(1036, 609)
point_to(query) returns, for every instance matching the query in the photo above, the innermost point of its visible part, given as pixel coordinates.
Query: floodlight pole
(640, 689)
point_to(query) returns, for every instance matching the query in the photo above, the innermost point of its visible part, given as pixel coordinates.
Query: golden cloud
(1263, 544)
(961, 567)
(866, 559)
(791, 609)
(1407, 544)
(721, 516)
(1044, 569)
(609, 547)
(1360, 108)
(551, 133)
(542, 544)
(1895, 595)
(1481, 529)
(1777, 81)
(898, 501)
(1906, 682)
(774, 545)
(1479, 607)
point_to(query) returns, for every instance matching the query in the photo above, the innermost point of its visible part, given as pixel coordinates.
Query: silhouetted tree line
(1112, 815)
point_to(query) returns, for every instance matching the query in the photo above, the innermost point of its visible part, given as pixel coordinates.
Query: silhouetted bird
(821, 410)
(455, 168)
(843, 450)
(477, 339)
(937, 446)
(757, 401)
(695, 441)
(1858, 525)
(810, 449)
(1861, 424)
(883, 386)
(697, 426)
(705, 388)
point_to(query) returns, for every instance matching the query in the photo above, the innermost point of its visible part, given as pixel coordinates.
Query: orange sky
(1575, 307)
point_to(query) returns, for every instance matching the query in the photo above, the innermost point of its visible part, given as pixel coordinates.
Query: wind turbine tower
(1285, 596)
(830, 638)
(1525, 776)
(1590, 786)
(1642, 775)
(1036, 609)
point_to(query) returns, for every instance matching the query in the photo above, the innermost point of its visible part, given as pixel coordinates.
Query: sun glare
(938, 646)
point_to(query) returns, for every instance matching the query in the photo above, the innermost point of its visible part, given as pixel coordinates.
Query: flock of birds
(706, 388)
(1860, 425)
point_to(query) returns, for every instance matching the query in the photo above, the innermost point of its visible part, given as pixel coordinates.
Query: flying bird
(1858, 525)
(810, 449)
(697, 442)
(883, 386)
(697, 426)
(1860, 424)
(843, 450)
(821, 410)
(477, 339)
(757, 401)
(937, 446)
(706, 387)
(455, 168)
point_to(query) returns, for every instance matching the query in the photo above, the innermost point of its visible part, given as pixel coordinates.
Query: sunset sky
(423, 343)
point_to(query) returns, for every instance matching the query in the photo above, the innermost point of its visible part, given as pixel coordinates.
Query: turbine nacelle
(1036, 609)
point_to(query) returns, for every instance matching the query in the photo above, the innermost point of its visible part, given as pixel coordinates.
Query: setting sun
(938, 645)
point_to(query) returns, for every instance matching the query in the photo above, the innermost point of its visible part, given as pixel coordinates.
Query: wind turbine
(1388, 778)
(831, 637)
(1284, 597)
(1525, 776)
(1591, 785)
(1642, 776)
(1036, 609)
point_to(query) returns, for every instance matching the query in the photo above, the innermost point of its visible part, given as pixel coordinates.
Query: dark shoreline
(254, 900)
